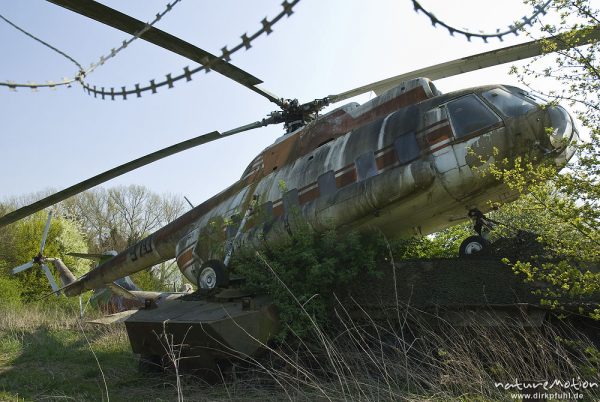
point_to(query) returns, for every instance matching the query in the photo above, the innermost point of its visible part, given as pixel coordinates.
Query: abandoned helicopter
(399, 162)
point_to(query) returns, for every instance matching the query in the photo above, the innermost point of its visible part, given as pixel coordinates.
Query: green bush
(303, 272)
(10, 293)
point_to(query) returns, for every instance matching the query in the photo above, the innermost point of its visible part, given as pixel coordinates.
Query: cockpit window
(537, 98)
(469, 115)
(509, 104)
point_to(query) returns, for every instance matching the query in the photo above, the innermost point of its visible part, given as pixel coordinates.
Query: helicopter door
(460, 122)
(437, 137)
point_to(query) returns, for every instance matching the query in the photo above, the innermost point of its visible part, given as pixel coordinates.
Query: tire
(472, 245)
(213, 274)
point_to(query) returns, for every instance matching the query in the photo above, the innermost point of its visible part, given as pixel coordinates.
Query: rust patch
(386, 159)
(185, 258)
(339, 124)
(309, 195)
(278, 210)
(346, 178)
(279, 154)
(439, 134)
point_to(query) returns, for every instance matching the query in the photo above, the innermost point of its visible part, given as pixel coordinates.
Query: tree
(20, 242)
(566, 205)
(109, 219)
(120, 216)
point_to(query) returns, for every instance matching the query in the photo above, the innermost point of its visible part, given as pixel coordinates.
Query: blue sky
(51, 139)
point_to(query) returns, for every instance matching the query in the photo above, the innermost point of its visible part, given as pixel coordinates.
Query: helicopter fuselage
(410, 161)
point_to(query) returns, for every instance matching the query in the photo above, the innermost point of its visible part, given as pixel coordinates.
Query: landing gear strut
(476, 244)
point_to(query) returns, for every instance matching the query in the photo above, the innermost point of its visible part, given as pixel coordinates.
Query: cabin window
(508, 104)
(469, 115)
(265, 215)
(326, 184)
(407, 148)
(366, 166)
(231, 230)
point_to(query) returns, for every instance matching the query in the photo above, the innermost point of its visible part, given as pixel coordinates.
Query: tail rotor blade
(23, 267)
(45, 235)
(50, 278)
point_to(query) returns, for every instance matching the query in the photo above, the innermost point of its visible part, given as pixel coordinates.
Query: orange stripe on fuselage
(186, 257)
(348, 177)
(386, 159)
(439, 134)
(309, 195)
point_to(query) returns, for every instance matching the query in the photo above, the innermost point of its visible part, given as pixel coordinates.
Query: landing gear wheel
(472, 245)
(212, 274)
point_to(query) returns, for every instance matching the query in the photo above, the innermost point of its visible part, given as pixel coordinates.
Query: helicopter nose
(562, 133)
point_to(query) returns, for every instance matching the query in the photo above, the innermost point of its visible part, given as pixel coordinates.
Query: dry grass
(410, 355)
(422, 357)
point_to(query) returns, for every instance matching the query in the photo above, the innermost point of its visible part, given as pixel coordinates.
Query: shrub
(10, 293)
(308, 269)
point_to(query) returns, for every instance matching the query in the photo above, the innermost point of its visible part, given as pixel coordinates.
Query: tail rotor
(40, 260)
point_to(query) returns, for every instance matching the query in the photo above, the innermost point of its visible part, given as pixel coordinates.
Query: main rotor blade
(122, 169)
(508, 54)
(45, 235)
(130, 25)
(22, 267)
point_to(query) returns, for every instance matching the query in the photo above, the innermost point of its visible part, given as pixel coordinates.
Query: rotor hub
(39, 259)
(295, 115)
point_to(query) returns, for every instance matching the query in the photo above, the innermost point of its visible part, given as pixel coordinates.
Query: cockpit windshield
(537, 98)
(509, 104)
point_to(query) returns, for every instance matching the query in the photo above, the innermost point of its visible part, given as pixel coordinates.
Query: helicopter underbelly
(402, 201)
(365, 199)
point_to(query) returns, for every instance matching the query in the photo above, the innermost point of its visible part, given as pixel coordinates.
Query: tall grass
(409, 354)
(400, 354)
(421, 357)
